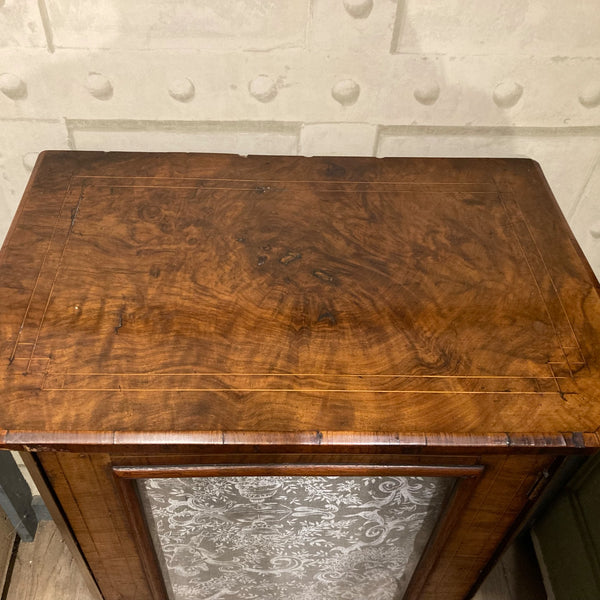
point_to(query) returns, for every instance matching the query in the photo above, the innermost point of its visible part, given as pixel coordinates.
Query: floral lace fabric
(290, 537)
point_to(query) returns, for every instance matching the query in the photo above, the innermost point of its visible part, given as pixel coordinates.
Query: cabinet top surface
(199, 295)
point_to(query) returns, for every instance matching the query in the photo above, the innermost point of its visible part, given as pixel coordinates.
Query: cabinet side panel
(41, 483)
(490, 517)
(85, 488)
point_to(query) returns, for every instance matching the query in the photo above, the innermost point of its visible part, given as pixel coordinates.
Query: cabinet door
(183, 523)
(302, 537)
(292, 531)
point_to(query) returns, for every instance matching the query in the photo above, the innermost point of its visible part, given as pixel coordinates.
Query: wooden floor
(45, 570)
(7, 540)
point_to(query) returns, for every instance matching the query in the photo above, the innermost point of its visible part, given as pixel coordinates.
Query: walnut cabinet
(288, 377)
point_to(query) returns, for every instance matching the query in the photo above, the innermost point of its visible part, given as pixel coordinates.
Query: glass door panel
(290, 537)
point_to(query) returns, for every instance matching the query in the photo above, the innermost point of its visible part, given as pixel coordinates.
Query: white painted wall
(357, 77)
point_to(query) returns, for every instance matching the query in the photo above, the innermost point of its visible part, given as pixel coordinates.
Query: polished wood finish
(444, 528)
(346, 470)
(68, 546)
(177, 310)
(358, 295)
(143, 537)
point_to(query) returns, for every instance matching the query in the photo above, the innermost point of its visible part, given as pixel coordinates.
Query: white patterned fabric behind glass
(291, 537)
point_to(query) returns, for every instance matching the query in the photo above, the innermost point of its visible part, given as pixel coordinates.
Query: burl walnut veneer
(180, 315)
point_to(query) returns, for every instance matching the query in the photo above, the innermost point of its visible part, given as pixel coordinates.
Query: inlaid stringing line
(562, 306)
(532, 272)
(39, 274)
(73, 217)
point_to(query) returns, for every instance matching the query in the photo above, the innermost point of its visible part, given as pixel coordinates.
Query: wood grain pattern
(141, 532)
(90, 499)
(248, 294)
(67, 539)
(253, 470)
(445, 527)
(186, 312)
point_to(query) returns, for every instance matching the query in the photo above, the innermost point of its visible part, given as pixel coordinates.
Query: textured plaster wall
(355, 77)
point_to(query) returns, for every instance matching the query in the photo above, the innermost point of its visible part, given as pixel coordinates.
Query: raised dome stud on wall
(99, 86)
(29, 160)
(427, 93)
(12, 86)
(346, 92)
(182, 90)
(590, 95)
(263, 88)
(359, 9)
(507, 94)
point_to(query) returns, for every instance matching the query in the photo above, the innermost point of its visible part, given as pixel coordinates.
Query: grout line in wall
(308, 25)
(299, 141)
(383, 130)
(398, 26)
(491, 130)
(376, 140)
(30, 120)
(334, 124)
(363, 54)
(187, 127)
(582, 192)
(269, 126)
(70, 139)
(46, 24)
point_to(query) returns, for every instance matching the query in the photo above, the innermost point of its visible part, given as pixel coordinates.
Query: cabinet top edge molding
(169, 298)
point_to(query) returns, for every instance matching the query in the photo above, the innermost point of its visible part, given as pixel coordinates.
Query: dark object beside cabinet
(372, 365)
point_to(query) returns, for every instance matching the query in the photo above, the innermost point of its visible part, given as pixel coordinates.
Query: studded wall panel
(356, 77)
